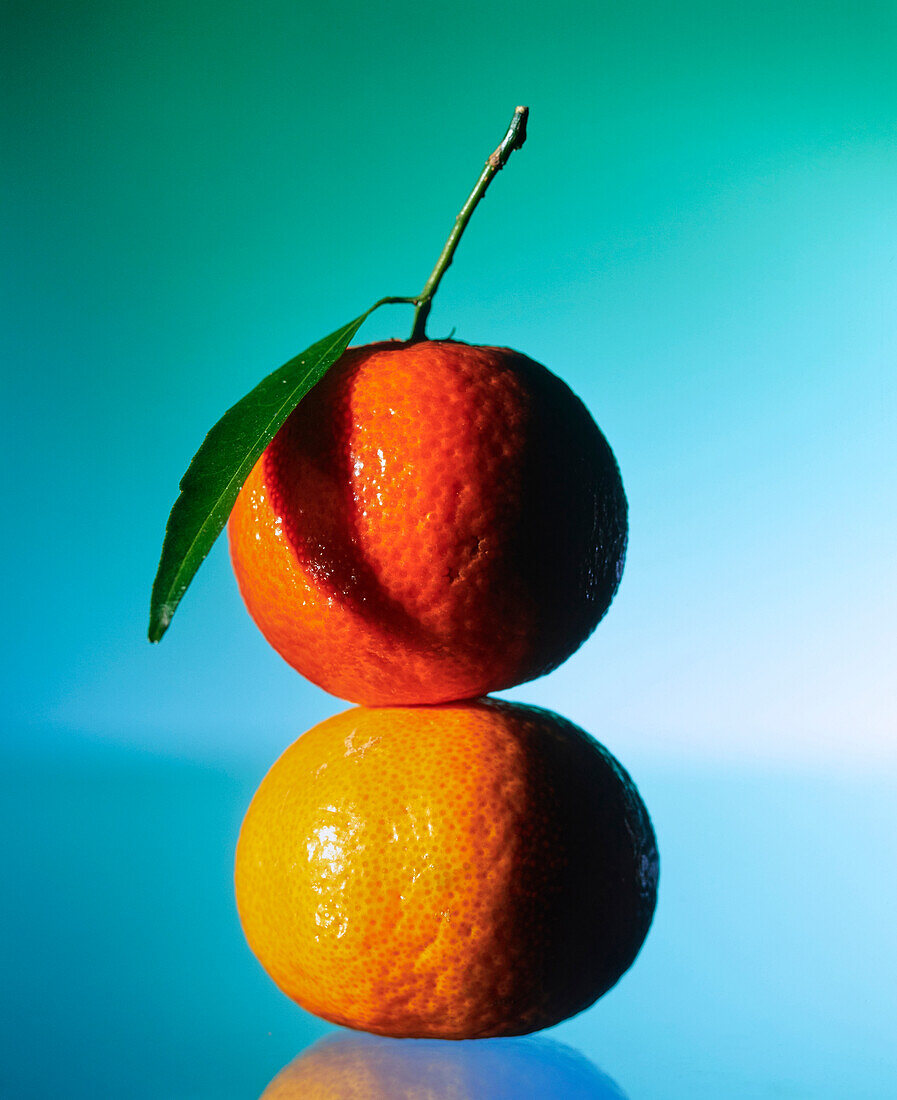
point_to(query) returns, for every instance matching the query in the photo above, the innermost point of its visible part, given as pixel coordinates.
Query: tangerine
(433, 522)
(456, 871)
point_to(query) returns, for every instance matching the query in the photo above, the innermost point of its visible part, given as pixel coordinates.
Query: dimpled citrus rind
(433, 522)
(458, 871)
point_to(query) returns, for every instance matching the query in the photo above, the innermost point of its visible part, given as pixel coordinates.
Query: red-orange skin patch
(433, 522)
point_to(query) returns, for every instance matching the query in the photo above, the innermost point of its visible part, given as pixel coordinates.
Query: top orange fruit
(433, 522)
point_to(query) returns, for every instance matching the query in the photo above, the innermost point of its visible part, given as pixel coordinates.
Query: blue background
(700, 236)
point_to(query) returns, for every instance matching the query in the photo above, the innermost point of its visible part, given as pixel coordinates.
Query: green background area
(698, 236)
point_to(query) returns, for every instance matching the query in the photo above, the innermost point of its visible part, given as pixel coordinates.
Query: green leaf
(215, 476)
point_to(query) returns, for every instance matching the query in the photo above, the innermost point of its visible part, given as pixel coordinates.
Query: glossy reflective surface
(769, 970)
(355, 1065)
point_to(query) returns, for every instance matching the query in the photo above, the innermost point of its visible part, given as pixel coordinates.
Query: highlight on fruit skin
(344, 1065)
(433, 522)
(457, 871)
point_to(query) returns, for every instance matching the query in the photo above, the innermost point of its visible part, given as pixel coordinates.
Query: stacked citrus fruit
(433, 522)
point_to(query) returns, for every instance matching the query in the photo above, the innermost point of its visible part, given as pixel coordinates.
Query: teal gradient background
(700, 236)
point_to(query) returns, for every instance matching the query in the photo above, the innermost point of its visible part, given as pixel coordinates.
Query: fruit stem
(513, 139)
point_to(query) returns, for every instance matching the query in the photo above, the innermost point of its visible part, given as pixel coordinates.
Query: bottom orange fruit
(456, 871)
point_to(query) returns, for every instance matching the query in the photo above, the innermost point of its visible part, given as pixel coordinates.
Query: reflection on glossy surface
(349, 1066)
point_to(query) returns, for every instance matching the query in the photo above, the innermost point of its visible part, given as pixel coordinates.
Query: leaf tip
(159, 621)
